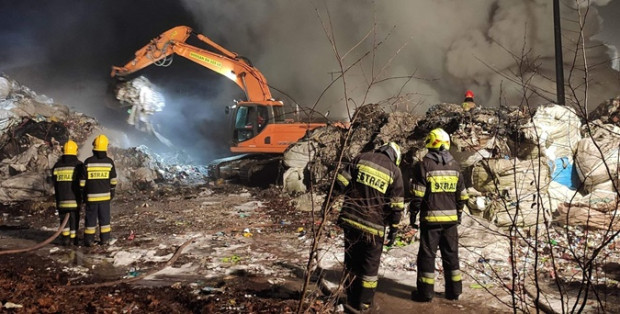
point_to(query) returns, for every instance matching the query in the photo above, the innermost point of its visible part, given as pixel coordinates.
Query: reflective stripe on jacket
(437, 188)
(99, 178)
(374, 193)
(65, 176)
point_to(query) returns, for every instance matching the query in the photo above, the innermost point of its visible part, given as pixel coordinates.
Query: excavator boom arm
(226, 63)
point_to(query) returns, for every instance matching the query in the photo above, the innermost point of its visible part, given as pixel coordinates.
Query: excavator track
(248, 169)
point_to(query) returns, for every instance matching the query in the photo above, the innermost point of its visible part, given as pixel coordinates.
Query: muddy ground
(203, 249)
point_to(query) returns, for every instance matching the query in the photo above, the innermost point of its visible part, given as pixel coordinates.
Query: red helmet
(469, 94)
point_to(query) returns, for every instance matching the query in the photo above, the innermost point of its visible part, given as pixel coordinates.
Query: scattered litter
(209, 290)
(246, 233)
(232, 259)
(11, 305)
(133, 272)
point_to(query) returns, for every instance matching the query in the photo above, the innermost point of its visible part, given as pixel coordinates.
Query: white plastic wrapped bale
(559, 194)
(597, 158)
(517, 190)
(498, 176)
(598, 210)
(531, 209)
(555, 128)
(561, 126)
(293, 181)
(299, 154)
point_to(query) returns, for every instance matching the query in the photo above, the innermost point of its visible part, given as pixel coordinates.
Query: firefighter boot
(65, 240)
(105, 238)
(89, 240)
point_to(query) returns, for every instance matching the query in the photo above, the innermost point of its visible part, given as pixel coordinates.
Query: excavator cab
(261, 127)
(249, 120)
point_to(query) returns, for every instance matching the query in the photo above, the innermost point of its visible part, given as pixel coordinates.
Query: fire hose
(42, 244)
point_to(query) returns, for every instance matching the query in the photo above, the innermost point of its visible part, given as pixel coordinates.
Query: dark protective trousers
(361, 260)
(446, 237)
(97, 211)
(69, 232)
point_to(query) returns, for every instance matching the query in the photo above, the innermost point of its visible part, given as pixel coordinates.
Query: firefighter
(66, 175)
(374, 198)
(99, 181)
(438, 195)
(468, 102)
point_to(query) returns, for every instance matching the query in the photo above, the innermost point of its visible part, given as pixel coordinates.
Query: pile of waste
(314, 159)
(32, 131)
(521, 167)
(142, 169)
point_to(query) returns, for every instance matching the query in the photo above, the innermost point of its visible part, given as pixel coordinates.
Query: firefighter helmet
(438, 139)
(100, 143)
(469, 94)
(393, 151)
(70, 148)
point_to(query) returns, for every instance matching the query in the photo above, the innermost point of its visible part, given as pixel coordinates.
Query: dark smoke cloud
(453, 45)
(65, 48)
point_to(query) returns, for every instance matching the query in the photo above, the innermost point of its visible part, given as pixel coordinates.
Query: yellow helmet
(100, 143)
(438, 139)
(393, 151)
(70, 148)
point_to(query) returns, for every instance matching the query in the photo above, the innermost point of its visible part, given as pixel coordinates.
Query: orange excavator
(260, 129)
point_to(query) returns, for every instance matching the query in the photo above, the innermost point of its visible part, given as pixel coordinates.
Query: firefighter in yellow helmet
(99, 182)
(66, 175)
(438, 196)
(374, 199)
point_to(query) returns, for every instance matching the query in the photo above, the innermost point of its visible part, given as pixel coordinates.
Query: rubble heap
(32, 131)
(142, 169)
(519, 167)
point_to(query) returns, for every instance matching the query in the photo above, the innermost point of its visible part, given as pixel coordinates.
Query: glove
(391, 238)
(412, 220)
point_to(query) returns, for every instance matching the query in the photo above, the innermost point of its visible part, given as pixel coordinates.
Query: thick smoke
(451, 45)
(65, 49)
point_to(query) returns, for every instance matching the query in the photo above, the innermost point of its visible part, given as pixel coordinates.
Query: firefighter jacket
(65, 175)
(374, 193)
(99, 178)
(438, 189)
